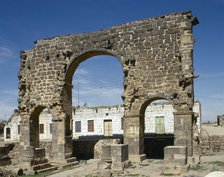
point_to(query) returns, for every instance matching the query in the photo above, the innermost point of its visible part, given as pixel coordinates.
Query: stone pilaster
(134, 137)
(61, 144)
(183, 130)
(24, 133)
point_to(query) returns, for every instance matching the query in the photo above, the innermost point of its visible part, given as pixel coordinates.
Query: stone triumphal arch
(157, 59)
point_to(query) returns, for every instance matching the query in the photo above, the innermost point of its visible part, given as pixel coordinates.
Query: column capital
(183, 113)
(133, 116)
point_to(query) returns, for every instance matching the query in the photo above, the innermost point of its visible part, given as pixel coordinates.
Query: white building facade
(103, 121)
(12, 129)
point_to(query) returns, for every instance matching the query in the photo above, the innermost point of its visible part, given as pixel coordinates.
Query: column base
(137, 158)
(26, 156)
(66, 162)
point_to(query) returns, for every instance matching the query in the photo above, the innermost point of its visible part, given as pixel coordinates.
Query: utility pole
(78, 93)
(101, 87)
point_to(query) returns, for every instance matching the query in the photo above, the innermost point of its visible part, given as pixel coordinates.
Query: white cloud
(8, 102)
(5, 54)
(211, 106)
(98, 96)
(211, 75)
(7, 108)
(80, 81)
(81, 71)
(210, 110)
(11, 93)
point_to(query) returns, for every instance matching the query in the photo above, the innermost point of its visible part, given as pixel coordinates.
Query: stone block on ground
(176, 169)
(103, 165)
(176, 155)
(101, 173)
(106, 153)
(98, 146)
(120, 166)
(119, 153)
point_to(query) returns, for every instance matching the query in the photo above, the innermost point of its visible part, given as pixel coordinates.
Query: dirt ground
(149, 168)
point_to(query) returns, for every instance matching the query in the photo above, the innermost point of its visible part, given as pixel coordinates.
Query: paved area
(150, 168)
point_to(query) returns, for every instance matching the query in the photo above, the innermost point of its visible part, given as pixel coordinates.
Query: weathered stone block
(119, 152)
(120, 166)
(176, 154)
(106, 153)
(46, 82)
(103, 165)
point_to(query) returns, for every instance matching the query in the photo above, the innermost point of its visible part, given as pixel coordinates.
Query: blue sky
(24, 21)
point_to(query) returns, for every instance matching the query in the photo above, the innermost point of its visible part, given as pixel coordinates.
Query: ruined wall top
(134, 24)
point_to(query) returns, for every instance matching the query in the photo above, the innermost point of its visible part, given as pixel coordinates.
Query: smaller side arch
(157, 123)
(150, 99)
(34, 125)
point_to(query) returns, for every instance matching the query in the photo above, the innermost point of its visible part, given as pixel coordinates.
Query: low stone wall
(4, 154)
(211, 145)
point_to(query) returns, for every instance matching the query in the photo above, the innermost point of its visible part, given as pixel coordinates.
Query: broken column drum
(156, 55)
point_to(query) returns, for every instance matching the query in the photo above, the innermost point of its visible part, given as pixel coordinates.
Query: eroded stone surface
(156, 56)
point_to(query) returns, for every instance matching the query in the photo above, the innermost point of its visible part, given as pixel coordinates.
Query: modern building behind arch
(103, 121)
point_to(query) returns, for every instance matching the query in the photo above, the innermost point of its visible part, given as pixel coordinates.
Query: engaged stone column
(24, 133)
(61, 144)
(134, 137)
(26, 150)
(183, 130)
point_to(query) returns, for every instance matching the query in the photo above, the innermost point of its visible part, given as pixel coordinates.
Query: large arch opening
(158, 120)
(97, 105)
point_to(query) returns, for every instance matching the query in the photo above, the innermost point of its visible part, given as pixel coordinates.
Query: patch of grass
(133, 175)
(218, 163)
(39, 174)
(196, 167)
(168, 174)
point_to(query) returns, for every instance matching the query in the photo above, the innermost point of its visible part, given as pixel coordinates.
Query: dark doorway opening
(154, 145)
(83, 148)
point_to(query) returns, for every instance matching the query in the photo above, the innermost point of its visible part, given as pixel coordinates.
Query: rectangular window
(51, 128)
(108, 128)
(122, 123)
(160, 124)
(41, 128)
(18, 129)
(77, 126)
(90, 125)
(8, 133)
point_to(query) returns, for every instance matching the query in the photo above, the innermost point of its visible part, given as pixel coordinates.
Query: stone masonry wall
(149, 50)
(156, 55)
(211, 145)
